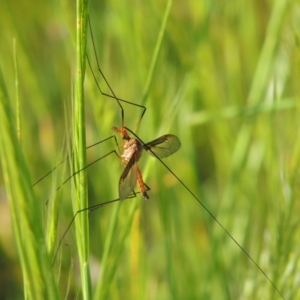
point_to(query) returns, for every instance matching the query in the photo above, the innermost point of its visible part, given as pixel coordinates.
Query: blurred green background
(226, 82)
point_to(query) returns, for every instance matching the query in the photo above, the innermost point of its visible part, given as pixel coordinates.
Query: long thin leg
(71, 155)
(91, 209)
(211, 214)
(119, 100)
(87, 166)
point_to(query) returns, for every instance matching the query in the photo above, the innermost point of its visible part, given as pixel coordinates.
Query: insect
(162, 147)
(131, 173)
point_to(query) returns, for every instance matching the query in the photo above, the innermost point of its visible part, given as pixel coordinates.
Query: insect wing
(128, 179)
(163, 146)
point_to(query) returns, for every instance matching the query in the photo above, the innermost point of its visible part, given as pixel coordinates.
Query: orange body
(131, 175)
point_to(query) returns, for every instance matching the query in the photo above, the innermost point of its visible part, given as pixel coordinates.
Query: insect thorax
(132, 147)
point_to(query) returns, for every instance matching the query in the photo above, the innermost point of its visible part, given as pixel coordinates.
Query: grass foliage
(223, 77)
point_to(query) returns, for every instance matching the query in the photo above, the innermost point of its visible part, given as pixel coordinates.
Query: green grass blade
(157, 48)
(81, 199)
(262, 76)
(18, 113)
(38, 277)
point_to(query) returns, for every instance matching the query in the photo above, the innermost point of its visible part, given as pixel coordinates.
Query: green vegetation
(221, 76)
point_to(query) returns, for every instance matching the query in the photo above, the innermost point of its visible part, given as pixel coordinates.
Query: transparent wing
(128, 179)
(163, 146)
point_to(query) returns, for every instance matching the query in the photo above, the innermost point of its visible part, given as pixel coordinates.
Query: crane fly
(161, 147)
(131, 176)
